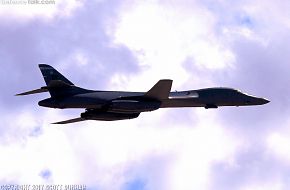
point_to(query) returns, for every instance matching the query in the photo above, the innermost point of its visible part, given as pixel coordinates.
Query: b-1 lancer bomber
(119, 105)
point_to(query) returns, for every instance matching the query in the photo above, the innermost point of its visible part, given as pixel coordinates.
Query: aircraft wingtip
(70, 121)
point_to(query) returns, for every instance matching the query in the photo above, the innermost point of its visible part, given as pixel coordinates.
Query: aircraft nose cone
(264, 101)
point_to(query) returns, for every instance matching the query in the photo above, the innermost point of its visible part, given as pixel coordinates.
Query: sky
(130, 45)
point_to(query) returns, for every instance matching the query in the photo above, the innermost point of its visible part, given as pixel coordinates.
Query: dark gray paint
(117, 105)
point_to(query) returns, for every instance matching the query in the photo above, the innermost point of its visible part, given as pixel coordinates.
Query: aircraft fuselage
(118, 105)
(208, 98)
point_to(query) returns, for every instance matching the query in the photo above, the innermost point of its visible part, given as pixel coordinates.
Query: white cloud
(164, 36)
(269, 12)
(270, 185)
(24, 155)
(199, 149)
(278, 145)
(110, 150)
(109, 154)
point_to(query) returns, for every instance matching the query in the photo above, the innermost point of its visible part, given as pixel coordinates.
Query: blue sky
(130, 45)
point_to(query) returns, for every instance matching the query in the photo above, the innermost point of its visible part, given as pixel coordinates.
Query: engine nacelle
(133, 106)
(107, 116)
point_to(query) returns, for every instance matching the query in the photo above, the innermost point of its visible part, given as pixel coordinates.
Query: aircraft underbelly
(187, 102)
(198, 102)
(79, 102)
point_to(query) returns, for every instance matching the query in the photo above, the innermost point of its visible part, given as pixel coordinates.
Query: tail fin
(51, 74)
(57, 84)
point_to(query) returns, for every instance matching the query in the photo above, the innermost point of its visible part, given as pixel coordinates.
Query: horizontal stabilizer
(40, 90)
(70, 121)
(52, 84)
(160, 90)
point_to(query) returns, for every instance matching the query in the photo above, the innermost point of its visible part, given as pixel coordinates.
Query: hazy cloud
(129, 45)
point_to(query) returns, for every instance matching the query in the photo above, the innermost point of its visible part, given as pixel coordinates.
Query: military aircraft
(119, 105)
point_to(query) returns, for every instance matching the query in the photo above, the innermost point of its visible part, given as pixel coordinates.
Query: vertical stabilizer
(51, 74)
